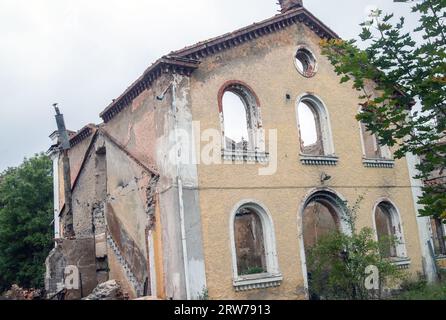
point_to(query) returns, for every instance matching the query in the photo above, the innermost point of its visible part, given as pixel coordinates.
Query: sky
(84, 53)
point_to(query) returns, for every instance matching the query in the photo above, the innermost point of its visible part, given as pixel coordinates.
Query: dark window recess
(249, 242)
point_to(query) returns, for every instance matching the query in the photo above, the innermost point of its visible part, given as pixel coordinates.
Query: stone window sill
(258, 281)
(378, 163)
(401, 263)
(441, 261)
(245, 156)
(319, 160)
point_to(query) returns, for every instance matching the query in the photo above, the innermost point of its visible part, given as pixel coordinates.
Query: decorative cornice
(261, 282)
(245, 156)
(257, 30)
(441, 261)
(54, 135)
(401, 263)
(82, 134)
(167, 64)
(186, 60)
(378, 163)
(75, 138)
(319, 160)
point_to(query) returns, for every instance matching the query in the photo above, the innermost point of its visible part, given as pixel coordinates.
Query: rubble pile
(110, 290)
(17, 293)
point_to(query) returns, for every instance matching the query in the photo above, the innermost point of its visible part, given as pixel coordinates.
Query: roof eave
(186, 60)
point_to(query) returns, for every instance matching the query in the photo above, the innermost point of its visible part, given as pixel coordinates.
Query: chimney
(64, 143)
(287, 5)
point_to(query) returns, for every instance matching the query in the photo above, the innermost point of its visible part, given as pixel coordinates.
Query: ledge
(319, 160)
(401, 263)
(441, 261)
(378, 163)
(261, 281)
(245, 156)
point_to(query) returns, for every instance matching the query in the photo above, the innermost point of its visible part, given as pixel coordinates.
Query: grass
(421, 290)
(253, 270)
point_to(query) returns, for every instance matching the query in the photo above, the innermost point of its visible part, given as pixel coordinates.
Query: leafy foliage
(338, 263)
(25, 222)
(422, 290)
(405, 72)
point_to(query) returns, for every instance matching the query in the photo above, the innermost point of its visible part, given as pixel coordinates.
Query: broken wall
(77, 155)
(128, 219)
(79, 253)
(146, 130)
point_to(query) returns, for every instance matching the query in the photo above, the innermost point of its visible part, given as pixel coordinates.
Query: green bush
(421, 290)
(337, 263)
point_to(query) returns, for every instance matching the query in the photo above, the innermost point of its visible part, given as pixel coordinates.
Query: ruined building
(177, 198)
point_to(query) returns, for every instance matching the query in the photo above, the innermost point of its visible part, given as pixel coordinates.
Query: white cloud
(84, 53)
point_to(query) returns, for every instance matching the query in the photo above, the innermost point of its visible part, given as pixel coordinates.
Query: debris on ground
(110, 290)
(18, 293)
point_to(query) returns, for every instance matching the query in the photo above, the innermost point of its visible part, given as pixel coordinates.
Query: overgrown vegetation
(253, 270)
(421, 290)
(26, 212)
(337, 263)
(405, 70)
(204, 295)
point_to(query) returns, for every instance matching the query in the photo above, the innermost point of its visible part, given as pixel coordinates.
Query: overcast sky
(84, 53)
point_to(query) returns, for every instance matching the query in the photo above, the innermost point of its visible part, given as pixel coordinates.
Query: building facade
(215, 171)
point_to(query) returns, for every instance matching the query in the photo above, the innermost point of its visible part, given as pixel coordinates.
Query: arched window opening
(236, 122)
(321, 216)
(241, 121)
(314, 128)
(249, 243)
(389, 231)
(385, 231)
(319, 220)
(439, 237)
(310, 130)
(371, 145)
(305, 62)
(254, 257)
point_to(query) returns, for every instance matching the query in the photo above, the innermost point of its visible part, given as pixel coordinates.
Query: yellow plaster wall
(267, 65)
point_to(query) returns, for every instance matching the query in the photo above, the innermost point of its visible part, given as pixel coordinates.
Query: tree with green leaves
(407, 70)
(339, 261)
(26, 212)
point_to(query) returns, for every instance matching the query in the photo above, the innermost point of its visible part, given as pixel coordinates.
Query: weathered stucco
(78, 253)
(161, 223)
(267, 65)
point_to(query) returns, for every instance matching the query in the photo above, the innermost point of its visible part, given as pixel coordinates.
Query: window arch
(253, 247)
(305, 62)
(314, 127)
(438, 236)
(370, 144)
(320, 213)
(242, 128)
(320, 218)
(388, 226)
